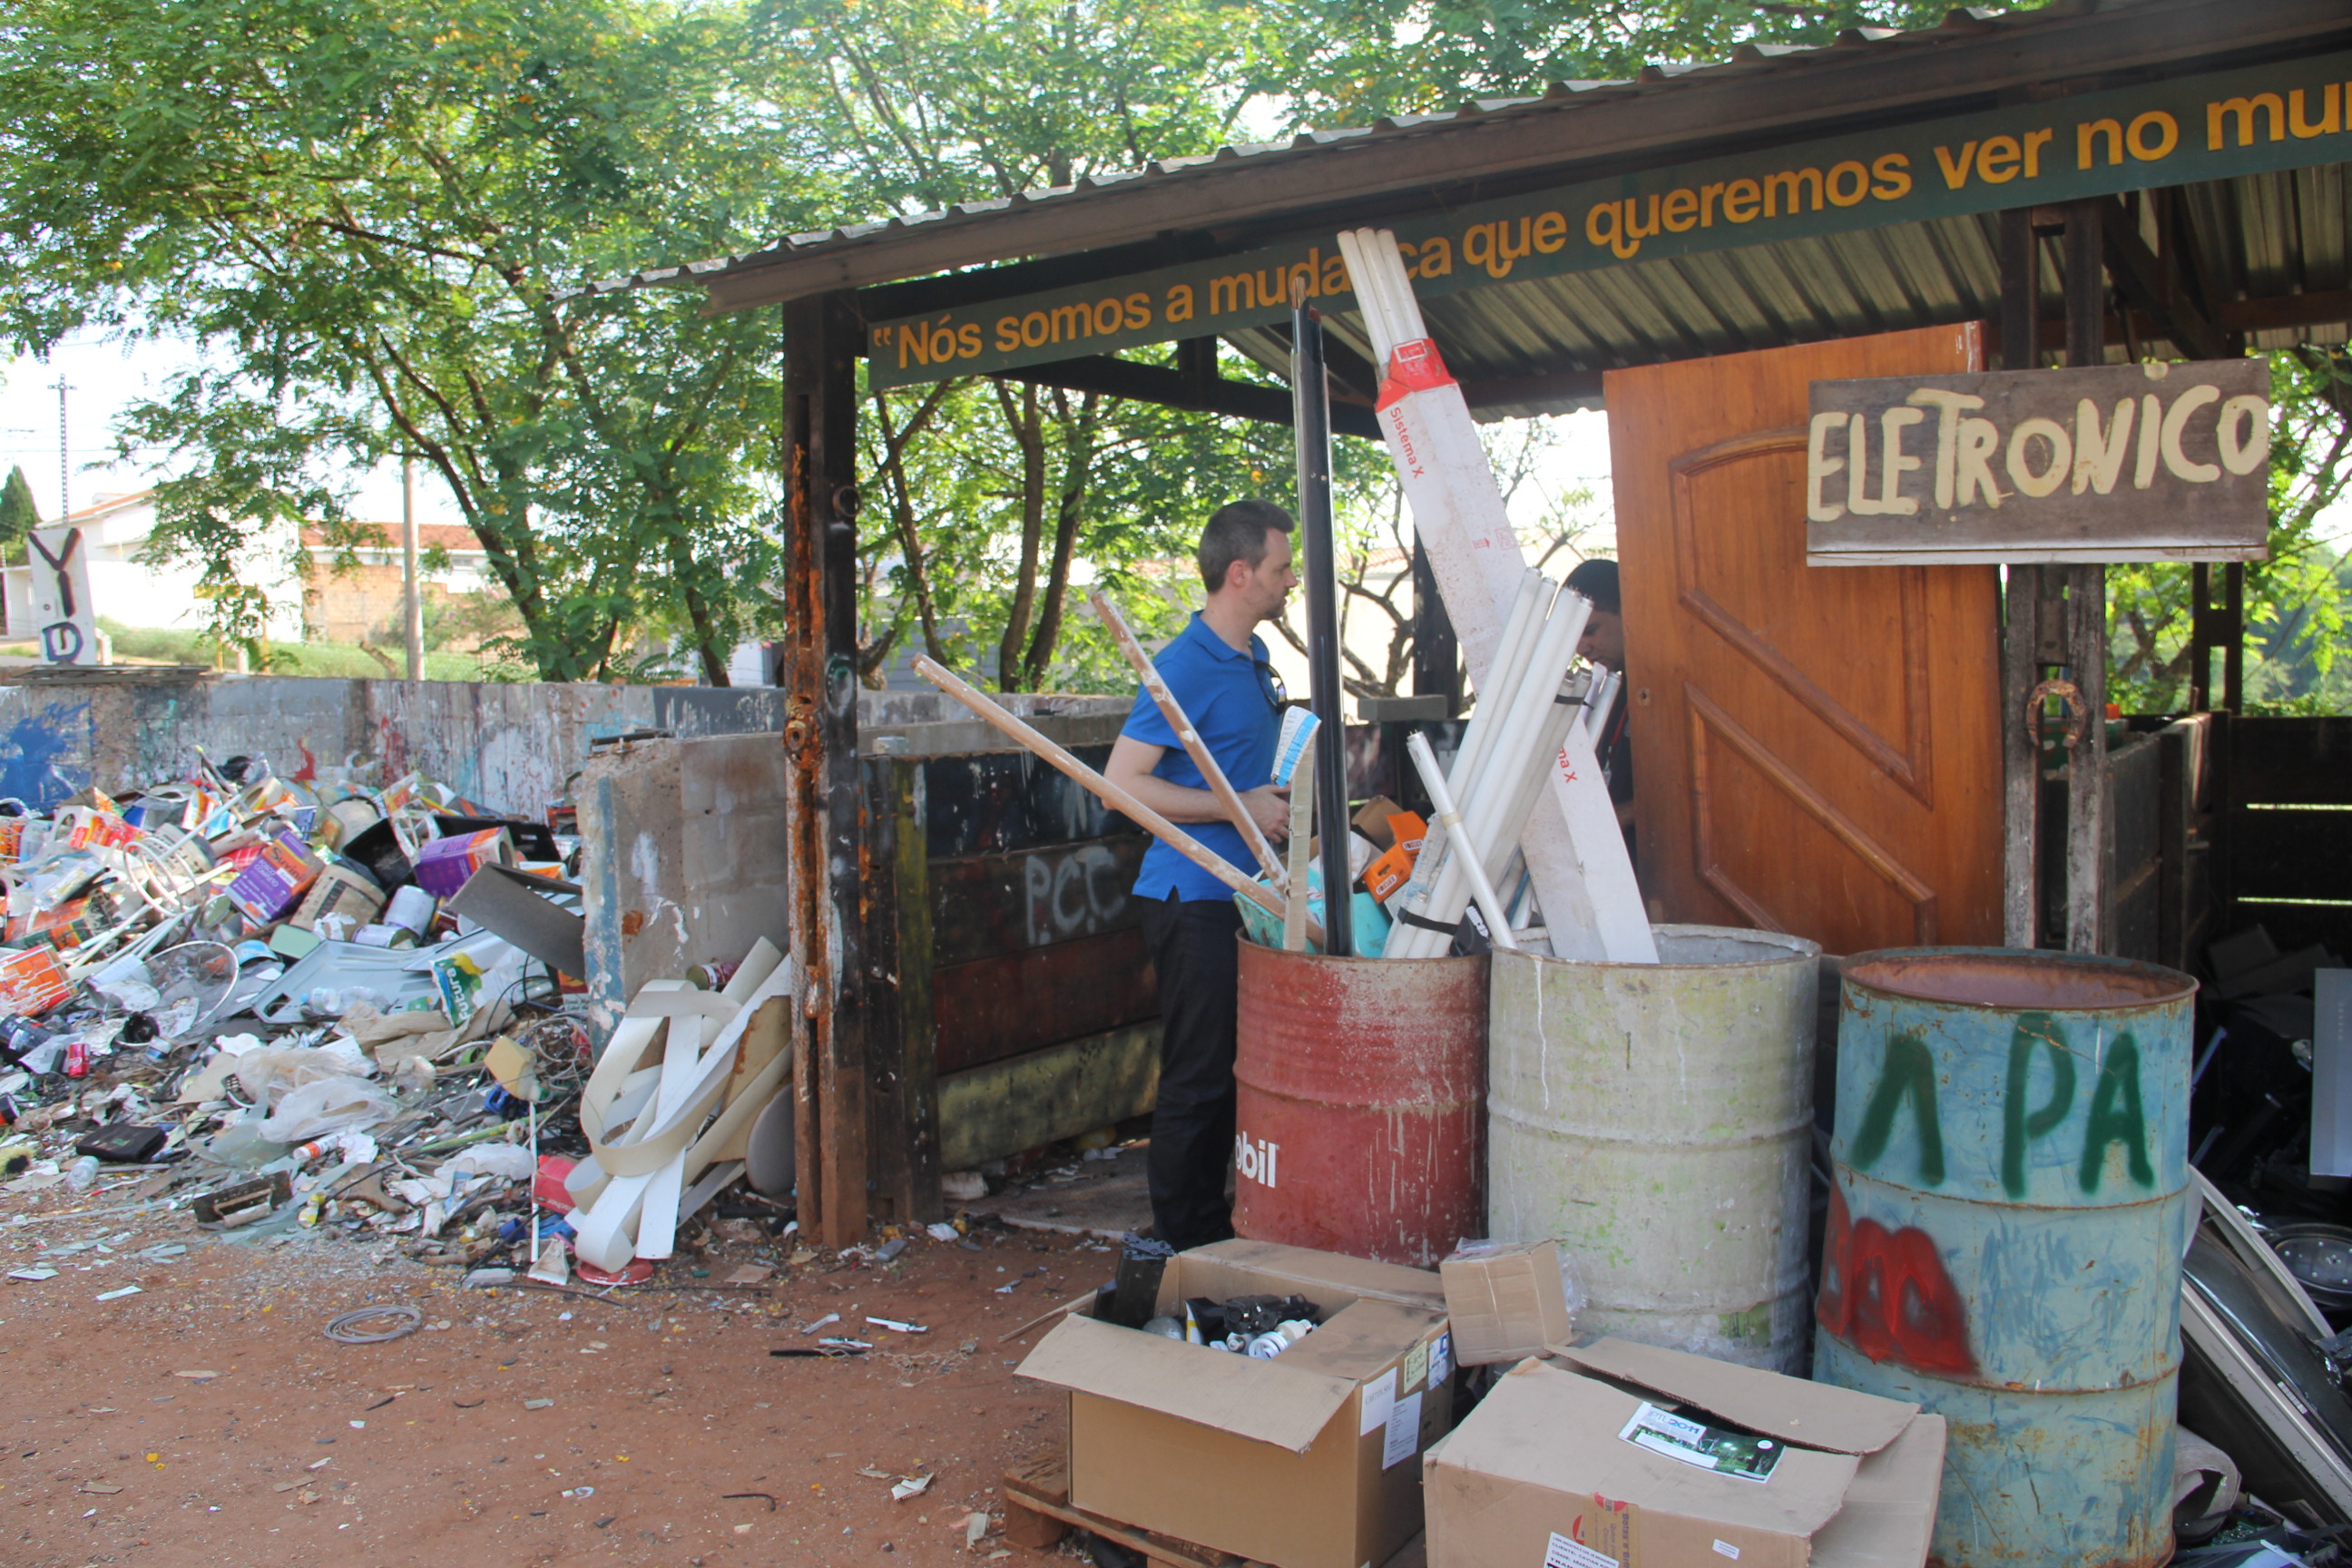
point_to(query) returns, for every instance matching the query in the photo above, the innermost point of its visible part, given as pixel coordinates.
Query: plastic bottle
(82, 1174)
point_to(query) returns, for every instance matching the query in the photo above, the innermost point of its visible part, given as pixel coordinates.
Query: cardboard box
(342, 892)
(274, 880)
(1507, 1301)
(1548, 1471)
(1307, 1460)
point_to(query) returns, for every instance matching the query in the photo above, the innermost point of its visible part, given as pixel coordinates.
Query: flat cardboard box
(1543, 1473)
(1506, 1302)
(1306, 1460)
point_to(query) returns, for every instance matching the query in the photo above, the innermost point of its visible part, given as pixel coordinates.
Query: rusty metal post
(2020, 329)
(2087, 876)
(820, 676)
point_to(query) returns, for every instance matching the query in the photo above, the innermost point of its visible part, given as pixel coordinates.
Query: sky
(103, 378)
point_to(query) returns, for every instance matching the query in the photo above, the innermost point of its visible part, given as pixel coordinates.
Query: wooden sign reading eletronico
(2132, 462)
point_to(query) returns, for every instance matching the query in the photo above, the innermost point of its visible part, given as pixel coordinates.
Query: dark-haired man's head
(1246, 558)
(1604, 642)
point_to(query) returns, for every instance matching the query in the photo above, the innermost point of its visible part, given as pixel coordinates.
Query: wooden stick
(1109, 794)
(1194, 747)
(1048, 1315)
(1302, 820)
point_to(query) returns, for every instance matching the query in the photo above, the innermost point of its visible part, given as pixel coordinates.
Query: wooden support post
(2087, 850)
(900, 1043)
(2233, 650)
(820, 674)
(2020, 666)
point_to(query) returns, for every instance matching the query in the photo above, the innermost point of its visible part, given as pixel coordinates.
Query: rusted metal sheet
(828, 850)
(1359, 1110)
(998, 802)
(2010, 1203)
(986, 905)
(1020, 1001)
(1657, 1120)
(902, 1099)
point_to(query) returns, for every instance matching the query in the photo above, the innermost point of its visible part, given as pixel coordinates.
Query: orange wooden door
(1816, 749)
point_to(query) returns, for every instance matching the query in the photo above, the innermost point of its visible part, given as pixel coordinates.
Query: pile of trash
(297, 1001)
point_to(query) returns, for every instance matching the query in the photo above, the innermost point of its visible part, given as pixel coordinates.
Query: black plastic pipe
(1311, 420)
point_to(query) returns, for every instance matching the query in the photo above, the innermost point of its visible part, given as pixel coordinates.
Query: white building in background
(308, 598)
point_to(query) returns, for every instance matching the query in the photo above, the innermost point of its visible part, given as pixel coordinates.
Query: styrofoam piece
(768, 1160)
(1593, 907)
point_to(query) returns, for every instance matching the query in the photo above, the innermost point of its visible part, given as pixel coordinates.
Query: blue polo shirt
(1229, 699)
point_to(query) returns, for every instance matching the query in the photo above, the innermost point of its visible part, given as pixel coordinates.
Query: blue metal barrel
(2010, 1201)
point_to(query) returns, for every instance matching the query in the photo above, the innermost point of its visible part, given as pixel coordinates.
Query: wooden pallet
(1037, 1514)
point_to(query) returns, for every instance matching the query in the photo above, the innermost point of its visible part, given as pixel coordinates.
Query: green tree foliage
(2296, 601)
(19, 514)
(994, 502)
(1388, 57)
(376, 216)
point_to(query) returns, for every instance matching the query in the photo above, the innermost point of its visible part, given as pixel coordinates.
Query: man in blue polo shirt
(1218, 671)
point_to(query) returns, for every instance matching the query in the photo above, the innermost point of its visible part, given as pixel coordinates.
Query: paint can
(2009, 1203)
(382, 935)
(1358, 1107)
(1657, 1120)
(347, 819)
(412, 908)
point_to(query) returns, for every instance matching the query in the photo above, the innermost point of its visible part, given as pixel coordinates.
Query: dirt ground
(207, 1419)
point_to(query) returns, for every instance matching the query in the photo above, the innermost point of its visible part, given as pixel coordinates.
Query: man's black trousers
(1192, 942)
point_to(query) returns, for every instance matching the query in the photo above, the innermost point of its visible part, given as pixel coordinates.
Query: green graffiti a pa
(2116, 1117)
(1908, 1073)
(2018, 1127)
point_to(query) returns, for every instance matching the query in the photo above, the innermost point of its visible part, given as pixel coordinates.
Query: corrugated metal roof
(2259, 236)
(2015, 36)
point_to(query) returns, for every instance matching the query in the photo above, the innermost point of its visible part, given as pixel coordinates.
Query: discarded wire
(343, 1331)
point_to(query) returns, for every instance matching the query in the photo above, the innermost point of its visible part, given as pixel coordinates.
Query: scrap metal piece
(403, 1321)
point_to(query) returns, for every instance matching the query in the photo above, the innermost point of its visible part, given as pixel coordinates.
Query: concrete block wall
(511, 746)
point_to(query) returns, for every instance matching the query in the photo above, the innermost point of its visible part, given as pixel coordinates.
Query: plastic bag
(328, 1105)
(510, 1160)
(274, 1071)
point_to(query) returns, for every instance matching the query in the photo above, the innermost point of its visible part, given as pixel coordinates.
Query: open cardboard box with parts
(1614, 1455)
(1311, 1459)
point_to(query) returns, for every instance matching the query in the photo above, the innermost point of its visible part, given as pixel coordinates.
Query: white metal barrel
(1656, 1120)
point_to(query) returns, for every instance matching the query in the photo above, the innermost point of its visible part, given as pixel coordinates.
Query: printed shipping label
(1727, 1453)
(1441, 1360)
(1727, 1550)
(1380, 1399)
(1565, 1553)
(1404, 1440)
(1416, 1365)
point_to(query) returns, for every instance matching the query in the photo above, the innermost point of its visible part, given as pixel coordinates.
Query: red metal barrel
(1361, 1124)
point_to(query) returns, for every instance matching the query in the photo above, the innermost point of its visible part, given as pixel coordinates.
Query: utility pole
(412, 608)
(65, 503)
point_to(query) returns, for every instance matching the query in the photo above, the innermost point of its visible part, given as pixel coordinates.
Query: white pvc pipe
(1530, 716)
(1499, 919)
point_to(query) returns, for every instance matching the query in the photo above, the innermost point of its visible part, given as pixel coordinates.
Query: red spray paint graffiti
(1886, 1294)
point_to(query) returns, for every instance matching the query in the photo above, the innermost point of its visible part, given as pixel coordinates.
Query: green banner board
(2261, 118)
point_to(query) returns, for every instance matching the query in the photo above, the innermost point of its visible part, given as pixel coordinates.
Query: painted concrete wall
(508, 746)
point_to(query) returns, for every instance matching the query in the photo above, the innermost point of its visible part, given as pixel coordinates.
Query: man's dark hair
(1597, 581)
(1236, 532)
